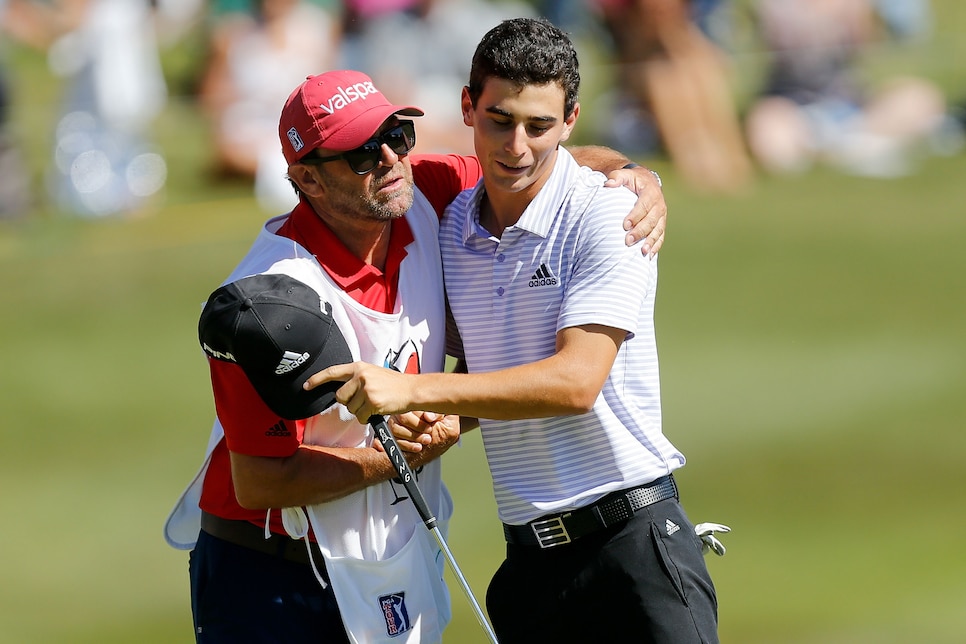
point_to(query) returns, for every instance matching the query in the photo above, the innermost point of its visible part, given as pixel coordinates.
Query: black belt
(559, 529)
(249, 535)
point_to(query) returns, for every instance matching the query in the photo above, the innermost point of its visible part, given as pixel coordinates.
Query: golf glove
(710, 543)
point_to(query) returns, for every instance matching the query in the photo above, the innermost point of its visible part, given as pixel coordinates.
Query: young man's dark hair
(527, 51)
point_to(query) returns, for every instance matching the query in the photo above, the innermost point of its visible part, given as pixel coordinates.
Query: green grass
(813, 364)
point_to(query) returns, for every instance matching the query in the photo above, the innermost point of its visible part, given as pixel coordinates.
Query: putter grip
(402, 469)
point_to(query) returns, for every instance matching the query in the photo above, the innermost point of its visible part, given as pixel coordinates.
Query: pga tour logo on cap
(395, 612)
(295, 139)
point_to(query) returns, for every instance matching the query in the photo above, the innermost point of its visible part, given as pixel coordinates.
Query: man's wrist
(632, 165)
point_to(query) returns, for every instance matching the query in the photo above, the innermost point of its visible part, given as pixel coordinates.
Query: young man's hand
(367, 389)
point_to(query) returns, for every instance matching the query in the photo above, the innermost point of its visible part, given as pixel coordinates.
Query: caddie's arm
(647, 220)
(317, 474)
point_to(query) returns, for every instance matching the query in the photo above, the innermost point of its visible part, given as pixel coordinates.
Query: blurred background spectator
(258, 50)
(26, 23)
(104, 160)
(672, 86)
(419, 52)
(817, 107)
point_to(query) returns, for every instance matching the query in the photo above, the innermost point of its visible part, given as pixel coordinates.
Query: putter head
(278, 330)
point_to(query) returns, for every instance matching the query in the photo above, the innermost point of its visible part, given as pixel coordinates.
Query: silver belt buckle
(550, 532)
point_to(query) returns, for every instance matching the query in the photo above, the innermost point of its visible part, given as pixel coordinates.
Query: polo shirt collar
(347, 270)
(541, 212)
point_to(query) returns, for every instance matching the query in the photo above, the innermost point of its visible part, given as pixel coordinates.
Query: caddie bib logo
(395, 613)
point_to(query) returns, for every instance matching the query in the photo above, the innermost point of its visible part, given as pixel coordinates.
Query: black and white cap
(276, 329)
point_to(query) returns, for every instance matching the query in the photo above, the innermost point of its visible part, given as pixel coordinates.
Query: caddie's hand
(710, 543)
(413, 430)
(367, 389)
(444, 432)
(648, 218)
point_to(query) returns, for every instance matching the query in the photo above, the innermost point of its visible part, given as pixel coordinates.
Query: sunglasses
(365, 158)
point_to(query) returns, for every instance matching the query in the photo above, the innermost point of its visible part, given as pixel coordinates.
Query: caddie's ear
(306, 178)
(569, 123)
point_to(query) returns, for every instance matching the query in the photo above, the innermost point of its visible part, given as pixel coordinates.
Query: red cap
(338, 110)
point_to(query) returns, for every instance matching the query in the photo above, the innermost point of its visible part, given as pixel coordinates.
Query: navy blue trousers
(241, 596)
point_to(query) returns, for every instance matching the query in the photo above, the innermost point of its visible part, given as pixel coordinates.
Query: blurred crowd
(670, 79)
(816, 106)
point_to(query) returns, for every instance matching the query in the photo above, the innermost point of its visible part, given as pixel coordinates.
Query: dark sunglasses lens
(364, 159)
(401, 139)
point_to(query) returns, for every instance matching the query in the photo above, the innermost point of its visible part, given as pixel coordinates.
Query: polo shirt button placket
(501, 272)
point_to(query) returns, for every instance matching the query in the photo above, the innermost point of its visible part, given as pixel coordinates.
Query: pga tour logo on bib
(395, 612)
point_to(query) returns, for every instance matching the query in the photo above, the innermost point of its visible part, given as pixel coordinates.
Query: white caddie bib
(384, 566)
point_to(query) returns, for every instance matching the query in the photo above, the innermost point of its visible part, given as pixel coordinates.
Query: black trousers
(641, 581)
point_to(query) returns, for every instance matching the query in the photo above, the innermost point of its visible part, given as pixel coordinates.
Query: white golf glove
(710, 543)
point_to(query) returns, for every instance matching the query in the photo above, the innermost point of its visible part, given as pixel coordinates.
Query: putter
(409, 482)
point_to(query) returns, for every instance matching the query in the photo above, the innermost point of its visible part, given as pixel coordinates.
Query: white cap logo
(290, 362)
(295, 139)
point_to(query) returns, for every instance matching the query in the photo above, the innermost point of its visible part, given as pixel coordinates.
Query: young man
(558, 338)
(360, 250)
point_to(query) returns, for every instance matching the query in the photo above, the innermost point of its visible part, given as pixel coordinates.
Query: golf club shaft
(412, 488)
(465, 585)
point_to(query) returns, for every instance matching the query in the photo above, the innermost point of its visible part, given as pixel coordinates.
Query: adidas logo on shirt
(278, 429)
(543, 277)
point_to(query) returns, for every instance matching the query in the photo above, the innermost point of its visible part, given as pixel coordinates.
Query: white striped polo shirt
(563, 264)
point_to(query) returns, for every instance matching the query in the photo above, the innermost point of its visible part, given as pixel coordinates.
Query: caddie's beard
(384, 207)
(370, 203)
